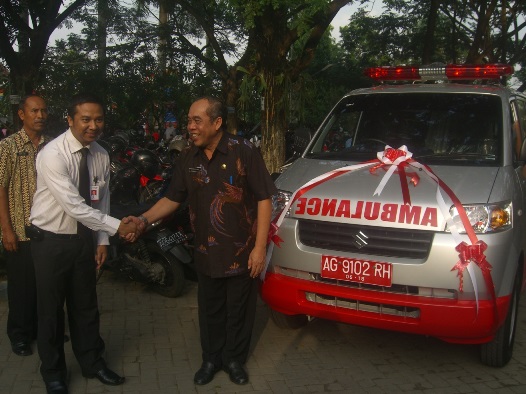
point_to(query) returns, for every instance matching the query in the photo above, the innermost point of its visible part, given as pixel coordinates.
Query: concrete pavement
(154, 342)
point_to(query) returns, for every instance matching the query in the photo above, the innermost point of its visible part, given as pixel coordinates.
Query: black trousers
(227, 309)
(66, 272)
(21, 294)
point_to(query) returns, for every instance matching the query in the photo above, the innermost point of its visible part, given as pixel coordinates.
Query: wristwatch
(143, 219)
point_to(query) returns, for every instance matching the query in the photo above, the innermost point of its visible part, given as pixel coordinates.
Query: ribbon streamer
(399, 159)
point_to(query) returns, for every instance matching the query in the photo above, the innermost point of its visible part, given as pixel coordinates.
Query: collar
(24, 138)
(222, 145)
(73, 143)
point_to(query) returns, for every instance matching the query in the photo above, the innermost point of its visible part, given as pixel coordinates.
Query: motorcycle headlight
(279, 201)
(485, 218)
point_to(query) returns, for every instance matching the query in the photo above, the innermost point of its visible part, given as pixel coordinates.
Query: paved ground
(154, 342)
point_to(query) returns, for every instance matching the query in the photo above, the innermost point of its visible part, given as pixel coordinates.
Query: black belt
(49, 234)
(37, 234)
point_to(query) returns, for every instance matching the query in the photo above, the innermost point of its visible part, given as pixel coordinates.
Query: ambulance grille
(369, 240)
(357, 305)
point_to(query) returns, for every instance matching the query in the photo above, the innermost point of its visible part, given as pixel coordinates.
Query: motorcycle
(143, 179)
(160, 258)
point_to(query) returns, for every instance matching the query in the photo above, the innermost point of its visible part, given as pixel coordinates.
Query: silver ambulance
(406, 211)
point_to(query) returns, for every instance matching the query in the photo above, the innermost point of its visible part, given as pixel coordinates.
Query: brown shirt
(222, 195)
(18, 176)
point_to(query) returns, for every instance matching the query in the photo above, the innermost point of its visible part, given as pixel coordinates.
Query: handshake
(131, 227)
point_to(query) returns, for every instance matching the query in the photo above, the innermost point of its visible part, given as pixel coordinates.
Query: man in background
(17, 186)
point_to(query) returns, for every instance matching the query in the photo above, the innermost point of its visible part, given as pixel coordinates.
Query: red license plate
(357, 270)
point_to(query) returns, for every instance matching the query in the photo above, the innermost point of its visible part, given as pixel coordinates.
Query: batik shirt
(222, 194)
(18, 176)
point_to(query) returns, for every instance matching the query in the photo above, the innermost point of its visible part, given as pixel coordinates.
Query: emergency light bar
(439, 72)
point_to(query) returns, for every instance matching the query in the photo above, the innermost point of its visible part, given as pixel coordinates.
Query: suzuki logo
(359, 239)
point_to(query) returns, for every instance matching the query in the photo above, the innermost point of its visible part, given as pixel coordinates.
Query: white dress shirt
(57, 204)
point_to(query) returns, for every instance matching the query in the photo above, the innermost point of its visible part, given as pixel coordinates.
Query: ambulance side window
(518, 124)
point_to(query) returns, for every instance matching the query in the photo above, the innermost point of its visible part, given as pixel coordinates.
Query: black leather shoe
(206, 373)
(106, 376)
(21, 348)
(56, 387)
(236, 372)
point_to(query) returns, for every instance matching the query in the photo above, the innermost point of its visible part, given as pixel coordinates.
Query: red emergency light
(439, 72)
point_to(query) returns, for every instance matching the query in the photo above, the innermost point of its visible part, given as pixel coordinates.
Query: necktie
(84, 189)
(84, 176)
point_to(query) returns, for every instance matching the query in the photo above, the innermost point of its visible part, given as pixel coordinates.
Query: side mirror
(302, 137)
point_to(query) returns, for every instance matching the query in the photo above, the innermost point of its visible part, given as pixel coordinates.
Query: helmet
(146, 162)
(117, 146)
(124, 136)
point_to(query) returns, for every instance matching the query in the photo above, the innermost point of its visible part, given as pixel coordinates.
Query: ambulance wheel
(288, 321)
(498, 352)
(173, 281)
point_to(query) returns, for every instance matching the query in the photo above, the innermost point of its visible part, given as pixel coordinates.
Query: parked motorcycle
(143, 179)
(160, 258)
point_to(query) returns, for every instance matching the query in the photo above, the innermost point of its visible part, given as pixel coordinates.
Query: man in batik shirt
(228, 188)
(17, 186)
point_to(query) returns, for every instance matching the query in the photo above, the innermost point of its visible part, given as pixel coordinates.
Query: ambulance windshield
(437, 128)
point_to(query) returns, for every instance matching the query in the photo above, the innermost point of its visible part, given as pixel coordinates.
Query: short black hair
(216, 108)
(83, 98)
(24, 99)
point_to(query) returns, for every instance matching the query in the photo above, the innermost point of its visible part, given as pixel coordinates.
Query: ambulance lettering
(368, 210)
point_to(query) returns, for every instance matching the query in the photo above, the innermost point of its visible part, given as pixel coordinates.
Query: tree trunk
(273, 124)
(429, 41)
(477, 50)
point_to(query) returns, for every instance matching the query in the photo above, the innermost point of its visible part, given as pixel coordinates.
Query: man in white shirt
(63, 248)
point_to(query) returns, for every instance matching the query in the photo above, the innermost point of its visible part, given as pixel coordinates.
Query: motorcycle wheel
(173, 269)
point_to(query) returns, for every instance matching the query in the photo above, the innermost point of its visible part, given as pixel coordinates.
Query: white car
(406, 211)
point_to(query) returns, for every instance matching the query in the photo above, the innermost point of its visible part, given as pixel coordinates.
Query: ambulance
(405, 211)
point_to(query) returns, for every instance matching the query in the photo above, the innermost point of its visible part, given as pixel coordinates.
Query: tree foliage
(147, 57)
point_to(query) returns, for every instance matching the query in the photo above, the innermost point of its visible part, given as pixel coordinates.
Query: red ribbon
(392, 155)
(272, 236)
(475, 252)
(467, 253)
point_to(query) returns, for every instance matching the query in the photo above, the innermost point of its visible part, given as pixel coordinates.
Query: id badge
(94, 192)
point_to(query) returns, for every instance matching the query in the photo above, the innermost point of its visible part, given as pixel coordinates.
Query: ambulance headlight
(484, 218)
(279, 201)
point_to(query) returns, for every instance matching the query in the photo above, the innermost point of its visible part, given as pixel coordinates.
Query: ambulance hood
(350, 198)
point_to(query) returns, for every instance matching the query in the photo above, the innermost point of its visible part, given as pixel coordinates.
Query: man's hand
(256, 261)
(9, 240)
(128, 230)
(100, 255)
(141, 226)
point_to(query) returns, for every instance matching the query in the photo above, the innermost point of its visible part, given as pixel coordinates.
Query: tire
(498, 352)
(288, 321)
(174, 272)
